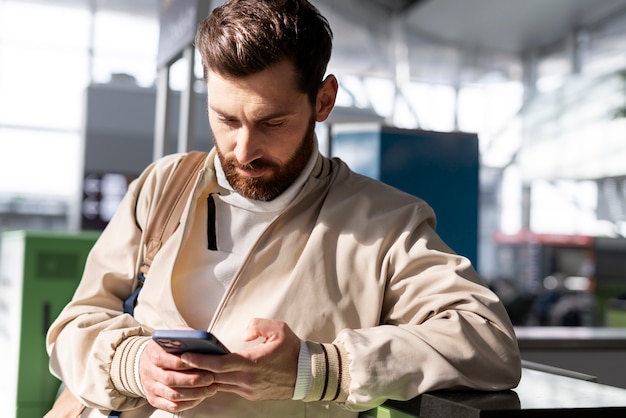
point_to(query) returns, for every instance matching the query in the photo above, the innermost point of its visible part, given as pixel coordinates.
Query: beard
(268, 187)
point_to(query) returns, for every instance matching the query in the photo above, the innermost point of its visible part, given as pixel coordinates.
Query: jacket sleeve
(440, 327)
(83, 340)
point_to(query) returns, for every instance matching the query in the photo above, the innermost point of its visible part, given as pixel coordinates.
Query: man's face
(263, 128)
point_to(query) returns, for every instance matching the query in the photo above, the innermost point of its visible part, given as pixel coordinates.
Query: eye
(228, 121)
(274, 124)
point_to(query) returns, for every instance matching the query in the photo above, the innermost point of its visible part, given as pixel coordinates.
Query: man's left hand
(267, 371)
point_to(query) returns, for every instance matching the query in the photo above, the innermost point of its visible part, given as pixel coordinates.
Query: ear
(326, 96)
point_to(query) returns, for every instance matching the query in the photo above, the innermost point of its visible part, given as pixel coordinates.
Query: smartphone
(179, 341)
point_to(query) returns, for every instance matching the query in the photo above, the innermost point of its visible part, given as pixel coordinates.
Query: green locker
(385, 411)
(39, 272)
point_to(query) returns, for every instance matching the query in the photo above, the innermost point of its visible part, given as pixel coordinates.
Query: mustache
(259, 164)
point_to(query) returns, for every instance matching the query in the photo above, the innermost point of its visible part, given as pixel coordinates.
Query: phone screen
(195, 341)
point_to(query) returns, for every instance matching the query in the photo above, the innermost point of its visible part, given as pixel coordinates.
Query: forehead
(274, 87)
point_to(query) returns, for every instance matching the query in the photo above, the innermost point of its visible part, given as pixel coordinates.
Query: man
(331, 290)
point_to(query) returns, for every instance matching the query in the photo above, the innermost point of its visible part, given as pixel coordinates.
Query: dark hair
(244, 37)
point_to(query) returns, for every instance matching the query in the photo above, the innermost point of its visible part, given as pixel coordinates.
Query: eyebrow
(270, 116)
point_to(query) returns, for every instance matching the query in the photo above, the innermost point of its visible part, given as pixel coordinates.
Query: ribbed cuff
(136, 367)
(123, 367)
(330, 373)
(303, 380)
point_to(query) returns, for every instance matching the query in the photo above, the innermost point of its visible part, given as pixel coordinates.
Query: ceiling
(451, 41)
(365, 29)
(511, 26)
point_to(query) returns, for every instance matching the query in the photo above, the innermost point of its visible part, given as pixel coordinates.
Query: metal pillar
(185, 121)
(161, 120)
(179, 21)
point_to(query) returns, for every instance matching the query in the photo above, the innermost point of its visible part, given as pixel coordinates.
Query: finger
(164, 360)
(175, 400)
(254, 330)
(267, 328)
(213, 363)
(186, 379)
(183, 394)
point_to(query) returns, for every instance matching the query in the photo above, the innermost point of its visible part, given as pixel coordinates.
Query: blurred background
(540, 84)
(507, 116)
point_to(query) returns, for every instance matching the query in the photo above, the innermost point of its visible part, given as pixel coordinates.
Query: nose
(247, 149)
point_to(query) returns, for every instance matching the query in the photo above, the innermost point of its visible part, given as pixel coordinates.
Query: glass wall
(49, 54)
(563, 135)
(573, 131)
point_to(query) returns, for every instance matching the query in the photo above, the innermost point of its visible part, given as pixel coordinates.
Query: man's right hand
(169, 383)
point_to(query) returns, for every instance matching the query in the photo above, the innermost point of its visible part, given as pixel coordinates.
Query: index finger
(214, 363)
(164, 360)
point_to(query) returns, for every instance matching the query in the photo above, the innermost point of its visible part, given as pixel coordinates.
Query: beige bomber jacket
(350, 261)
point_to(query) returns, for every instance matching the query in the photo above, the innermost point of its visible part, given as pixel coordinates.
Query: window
(49, 54)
